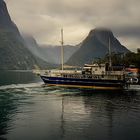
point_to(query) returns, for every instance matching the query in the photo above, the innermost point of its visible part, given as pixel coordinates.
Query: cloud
(44, 18)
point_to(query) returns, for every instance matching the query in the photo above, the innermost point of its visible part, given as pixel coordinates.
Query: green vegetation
(132, 59)
(127, 59)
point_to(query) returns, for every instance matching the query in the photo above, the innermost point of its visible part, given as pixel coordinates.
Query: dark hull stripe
(83, 80)
(97, 84)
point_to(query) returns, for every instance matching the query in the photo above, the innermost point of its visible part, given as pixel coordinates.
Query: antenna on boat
(62, 50)
(109, 49)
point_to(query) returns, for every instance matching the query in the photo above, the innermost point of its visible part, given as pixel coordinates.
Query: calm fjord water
(31, 111)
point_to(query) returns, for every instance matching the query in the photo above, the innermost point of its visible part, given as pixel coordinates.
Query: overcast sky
(44, 18)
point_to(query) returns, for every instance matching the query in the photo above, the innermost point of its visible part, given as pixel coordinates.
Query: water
(31, 111)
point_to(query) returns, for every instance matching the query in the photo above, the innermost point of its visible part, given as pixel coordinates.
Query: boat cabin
(96, 69)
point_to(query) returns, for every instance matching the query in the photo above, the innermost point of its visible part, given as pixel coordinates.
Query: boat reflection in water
(30, 111)
(99, 116)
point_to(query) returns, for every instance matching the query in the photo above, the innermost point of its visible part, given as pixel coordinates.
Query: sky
(44, 19)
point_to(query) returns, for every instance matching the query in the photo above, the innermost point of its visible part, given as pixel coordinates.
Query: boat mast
(62, 50)
(110, 61)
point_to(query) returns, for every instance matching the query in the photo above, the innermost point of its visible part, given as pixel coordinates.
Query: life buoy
(135, 80)
(132, 80)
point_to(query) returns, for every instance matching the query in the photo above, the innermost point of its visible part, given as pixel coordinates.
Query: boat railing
(88, 76)
(112, 75)
(62, 71)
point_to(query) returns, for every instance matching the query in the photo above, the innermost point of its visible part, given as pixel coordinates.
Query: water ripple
(33, 110)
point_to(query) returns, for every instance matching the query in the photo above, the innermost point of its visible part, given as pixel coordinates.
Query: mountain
(34, 47)
(13, 52)
(5, 20)
(96, 46)
(53, 53)
(48, 52)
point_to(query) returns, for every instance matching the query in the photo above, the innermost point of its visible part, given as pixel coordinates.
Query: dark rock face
(13, 52)
(96, 45)
(4, 16)
(5, 20)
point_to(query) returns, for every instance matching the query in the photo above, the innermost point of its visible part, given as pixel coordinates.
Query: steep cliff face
(5, 19)
(96, 46)
(4, 16)
(13, 52)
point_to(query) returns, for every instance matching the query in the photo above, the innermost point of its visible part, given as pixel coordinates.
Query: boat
(91, 76)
